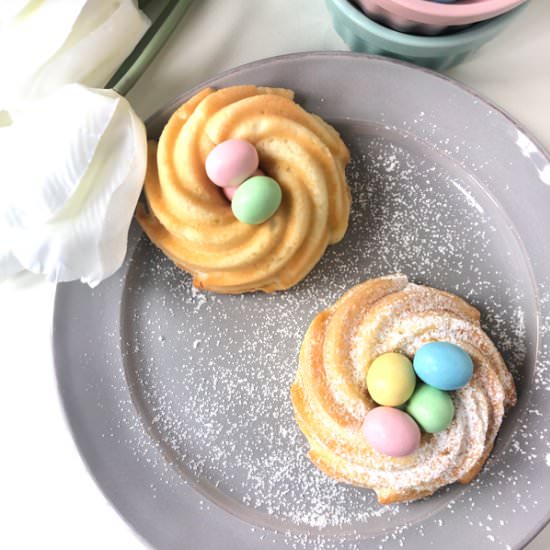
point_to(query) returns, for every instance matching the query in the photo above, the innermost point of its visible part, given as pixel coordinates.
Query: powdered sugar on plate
(210, 374)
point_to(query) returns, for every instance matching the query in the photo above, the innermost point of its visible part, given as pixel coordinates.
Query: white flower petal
(73, 41)
(49, 23)
(10, 9)
(102, 37)
(60, 134)
(9, 264)
(86, 236)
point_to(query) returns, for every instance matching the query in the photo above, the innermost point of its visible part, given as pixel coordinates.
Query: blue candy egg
(443, 365)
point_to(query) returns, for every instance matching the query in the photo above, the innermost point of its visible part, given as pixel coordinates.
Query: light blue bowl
(362, 34)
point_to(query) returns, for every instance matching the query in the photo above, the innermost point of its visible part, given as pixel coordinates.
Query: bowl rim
(426, 44)
(463, 13)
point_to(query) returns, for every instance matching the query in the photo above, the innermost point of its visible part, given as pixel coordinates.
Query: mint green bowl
(362, 34)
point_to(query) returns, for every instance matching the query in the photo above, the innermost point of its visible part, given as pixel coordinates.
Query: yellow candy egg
(391, 379)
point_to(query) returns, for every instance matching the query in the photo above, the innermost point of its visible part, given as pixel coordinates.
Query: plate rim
(176, 98)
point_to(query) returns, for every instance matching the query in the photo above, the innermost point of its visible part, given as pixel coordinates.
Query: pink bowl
(424, 17)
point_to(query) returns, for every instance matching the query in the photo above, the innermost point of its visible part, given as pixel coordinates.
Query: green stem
(148, 47)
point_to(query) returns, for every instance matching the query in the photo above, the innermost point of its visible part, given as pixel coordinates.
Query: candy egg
(256, 200)
(432, 409)
(391, 379)
(231, 162)
(443, 365)
(229, 192)
(391, 432)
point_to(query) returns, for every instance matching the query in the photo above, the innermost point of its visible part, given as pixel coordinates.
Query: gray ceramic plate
(178, 400)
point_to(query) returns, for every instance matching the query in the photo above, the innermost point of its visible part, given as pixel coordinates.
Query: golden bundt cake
(191, 221)
(331, 400)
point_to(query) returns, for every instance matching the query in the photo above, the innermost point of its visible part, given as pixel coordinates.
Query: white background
(48, 499)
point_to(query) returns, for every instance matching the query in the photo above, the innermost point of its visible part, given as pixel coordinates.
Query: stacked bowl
(434, 34)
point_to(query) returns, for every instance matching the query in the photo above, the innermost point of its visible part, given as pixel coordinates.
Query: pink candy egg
(391, 431)
(230, 191)
(231, 162)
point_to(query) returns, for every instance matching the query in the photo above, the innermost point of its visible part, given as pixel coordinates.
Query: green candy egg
(432, 409)
(256, 200)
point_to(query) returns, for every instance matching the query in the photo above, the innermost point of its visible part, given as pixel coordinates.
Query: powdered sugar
(217, 385)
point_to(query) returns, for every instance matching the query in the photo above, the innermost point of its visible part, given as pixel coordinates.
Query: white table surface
(49, 500)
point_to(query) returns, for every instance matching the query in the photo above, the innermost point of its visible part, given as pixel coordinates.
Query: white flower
(45, 44)
(71, 169)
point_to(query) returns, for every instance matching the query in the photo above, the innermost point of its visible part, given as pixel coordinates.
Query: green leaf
(149, 46)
